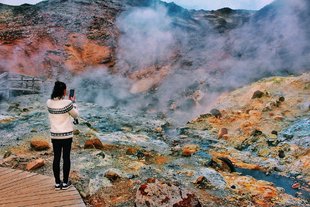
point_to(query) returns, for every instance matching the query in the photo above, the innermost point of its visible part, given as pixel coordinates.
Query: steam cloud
(272, 43)
(146, 37)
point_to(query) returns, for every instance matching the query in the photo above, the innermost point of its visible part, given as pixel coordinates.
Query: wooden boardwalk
(20, 188)
(10, 82)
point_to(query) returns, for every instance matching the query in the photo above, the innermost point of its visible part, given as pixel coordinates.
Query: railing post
(22, 81)
(7, 86)
(32, 84)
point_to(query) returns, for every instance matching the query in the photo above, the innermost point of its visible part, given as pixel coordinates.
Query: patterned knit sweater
(61, 113)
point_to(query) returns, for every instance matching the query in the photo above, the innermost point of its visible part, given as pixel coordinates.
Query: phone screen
(71, 93)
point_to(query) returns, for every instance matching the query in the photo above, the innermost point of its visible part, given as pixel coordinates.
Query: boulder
(131, 151)
(222, 132)
(189, 149)
(281, 99)
(112, 175)
(256, 132)
(216, 113)
(7, 154)
(203, 183)
(222, 164)
(296, 186)
(35, 164)
(94, 143)
(151, 180)
(257, 94)
(190, 200)
(39, 145)
(76, 132)
(157, 193)
(278, 118)
(101, 155)
(281, 154)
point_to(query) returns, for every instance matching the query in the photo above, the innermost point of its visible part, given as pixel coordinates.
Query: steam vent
(177, 107)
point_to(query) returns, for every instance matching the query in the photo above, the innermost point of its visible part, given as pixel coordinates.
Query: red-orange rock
(296, 186)
(200, 179)
(94, 143)
(165, 194)
(279, 118)
(131, 151)
(222, 132)
(85, 52)
(190, 200)
(151, 180)
(160, 160)
(39, 145)
(35, 164)
(190, 149)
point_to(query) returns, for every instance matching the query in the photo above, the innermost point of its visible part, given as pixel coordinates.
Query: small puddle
(279, 181)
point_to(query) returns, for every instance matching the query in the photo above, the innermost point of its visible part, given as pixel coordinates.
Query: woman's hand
(72, 98)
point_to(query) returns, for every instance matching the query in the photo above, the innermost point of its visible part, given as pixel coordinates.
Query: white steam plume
(273, 43)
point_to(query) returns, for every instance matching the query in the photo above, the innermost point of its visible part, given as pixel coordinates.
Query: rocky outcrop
(156, 193)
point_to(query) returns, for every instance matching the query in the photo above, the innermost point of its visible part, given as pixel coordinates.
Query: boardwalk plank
(37, 197)
(20, 188)
(27, 183)
(15, 179)
(40, 191)
(2, 169)
(73, 203)
(6, 171)
(35, 188)
(45, 200)
(18, 178)
(10, 175)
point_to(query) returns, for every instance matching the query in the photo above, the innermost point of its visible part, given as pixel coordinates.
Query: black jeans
(63, 145)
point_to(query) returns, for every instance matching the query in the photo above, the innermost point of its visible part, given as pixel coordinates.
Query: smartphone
(71, 93)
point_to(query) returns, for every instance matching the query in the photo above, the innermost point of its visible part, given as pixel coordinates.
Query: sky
(218, 4)
(190, 4)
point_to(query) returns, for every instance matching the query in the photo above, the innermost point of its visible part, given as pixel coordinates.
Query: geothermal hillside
(159, 55)
(178, 107)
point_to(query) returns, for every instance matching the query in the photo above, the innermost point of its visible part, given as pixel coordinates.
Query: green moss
(307, 86)
(277, 80)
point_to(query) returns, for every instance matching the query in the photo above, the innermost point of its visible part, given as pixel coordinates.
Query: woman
(61, 112)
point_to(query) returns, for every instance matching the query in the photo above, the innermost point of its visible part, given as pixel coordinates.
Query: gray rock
(216, 113)
(257, 94)
(213, 177)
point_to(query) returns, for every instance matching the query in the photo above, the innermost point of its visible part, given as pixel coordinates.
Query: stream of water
(279, 181)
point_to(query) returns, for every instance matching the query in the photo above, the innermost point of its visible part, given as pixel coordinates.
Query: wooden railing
(10, 82)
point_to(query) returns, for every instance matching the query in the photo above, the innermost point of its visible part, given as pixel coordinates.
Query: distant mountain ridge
(73, 36)
(154, 56)
(53, 21)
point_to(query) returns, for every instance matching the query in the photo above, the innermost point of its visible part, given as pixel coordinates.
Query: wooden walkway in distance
(10, 82)
(21, 188)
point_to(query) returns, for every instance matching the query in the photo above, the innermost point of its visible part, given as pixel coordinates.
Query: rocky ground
(252, 149)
